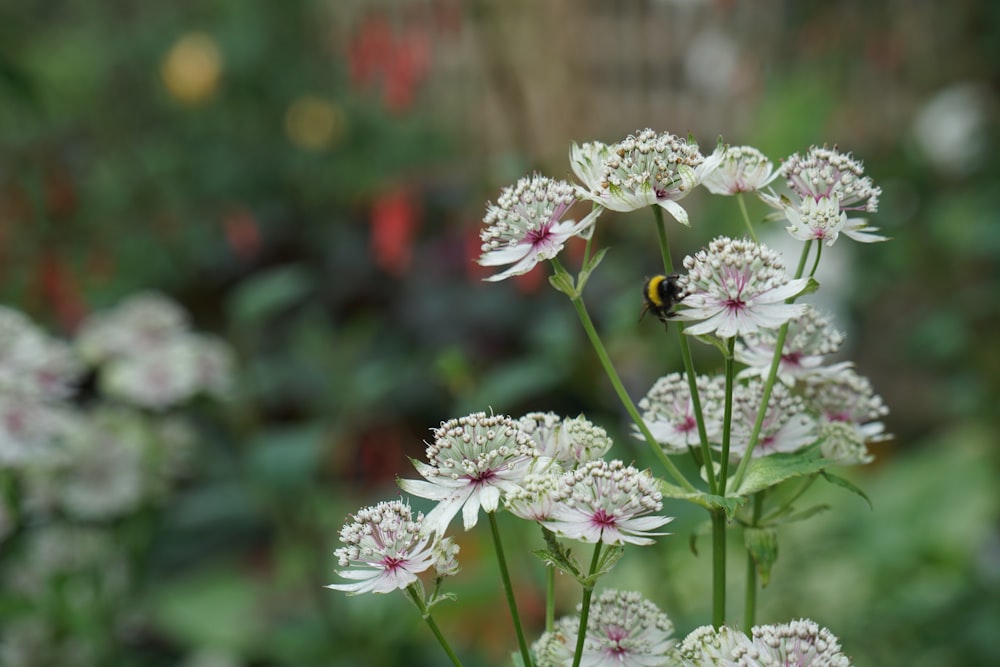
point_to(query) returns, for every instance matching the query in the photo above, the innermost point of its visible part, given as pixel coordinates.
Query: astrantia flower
(623, 630)
(473, 461)
(136, 325)
(569, 441)
(800, 643)
(787, 425)
(707, 646)
(735, 287)
(385, 548)
(825, 187)
(848, 399)
(645, 169)
(811, 337)
(843, 444)
(669, 411)
(608, 502)
(742, 169)
(536, 497)
(528, 225)
(446, 557)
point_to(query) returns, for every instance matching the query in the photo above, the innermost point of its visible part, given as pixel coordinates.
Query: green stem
(819, 253)
(718, 568)
(626, 400)
(689, 372)
(750, 603)
(418, 599)
(727, 417)
(588, 591)
(746, 216)
(509, 589)
(550, 598)
(772, 375)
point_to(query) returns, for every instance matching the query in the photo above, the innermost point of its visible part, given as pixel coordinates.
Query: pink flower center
(391, 563)
(734, 305)
(540, 236)
(483, 478)
(603, 519)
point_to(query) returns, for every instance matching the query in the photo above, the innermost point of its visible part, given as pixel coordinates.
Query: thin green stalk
(727, 416)
(626, 400)
(509, 589)
(418, 599)
(718, 568)
(819, 253)
(772, 375)
(750, 602)
(550, 598)
(588, 591)
(689, 372)
(746, 216)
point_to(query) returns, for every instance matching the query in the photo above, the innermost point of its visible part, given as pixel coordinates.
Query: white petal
(676, 210)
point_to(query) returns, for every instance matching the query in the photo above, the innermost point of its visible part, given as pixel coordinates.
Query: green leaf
(771, 470)
(709, 501)
(558, 556)
(591, 265)
(799, 516)
(845, 484)
(762, 545)
(564, 283)
(608, 559)
(810, 287)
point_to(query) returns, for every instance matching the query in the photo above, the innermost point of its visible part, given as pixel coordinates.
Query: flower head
(787, 426)
(742, 169)
(826, 185)
(669, 411)
(536, 497)
(810, 338)
(528, 225)
(735, 287)
(707, 646)
(608, 502)
(644, 169)
(473, 460)
(623, 630)
(385, 548)
(850, 412)
(569, 441)
(446, 557)
(800, 643)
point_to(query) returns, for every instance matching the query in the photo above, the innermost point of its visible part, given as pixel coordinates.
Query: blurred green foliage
(255, 196)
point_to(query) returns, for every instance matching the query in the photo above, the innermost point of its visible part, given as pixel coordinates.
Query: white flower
(669, 411)
(825, 187)
(608, 502)
(473, 461)
(136, 325)
(569, 441)
(385, 549)
(644, 169)
(527, 225)
(848, 399)
(742, 169)
(446, 557)
(810, 338)
(800, 643)
(707, 646)
(536, 497)
(735, 287)
(623, 630)
(787, 426)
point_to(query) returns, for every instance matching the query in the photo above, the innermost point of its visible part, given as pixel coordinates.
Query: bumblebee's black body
(659, 295)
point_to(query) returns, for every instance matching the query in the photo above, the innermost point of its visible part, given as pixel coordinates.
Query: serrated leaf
(800, 516)
(762, 545)
(767, 471)
(846, 484)
(608, 559)
(729, 504)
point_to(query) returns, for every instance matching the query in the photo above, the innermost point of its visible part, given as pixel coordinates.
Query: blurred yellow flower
(192, 68)
(313, 123)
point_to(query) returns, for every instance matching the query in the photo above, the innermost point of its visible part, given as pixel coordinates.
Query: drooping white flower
(608, 502)
(474, 460)
(787, 425)
(735, 287)
(528, 224)
(385, 548)
(644, 169)
(668, 411)
(742, 169)
(569, 441)
(623, 630)
(811, 338)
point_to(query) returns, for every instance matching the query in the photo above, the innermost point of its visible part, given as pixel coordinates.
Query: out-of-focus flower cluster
(92, 431)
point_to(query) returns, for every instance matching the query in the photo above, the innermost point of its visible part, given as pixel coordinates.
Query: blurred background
(308, 178)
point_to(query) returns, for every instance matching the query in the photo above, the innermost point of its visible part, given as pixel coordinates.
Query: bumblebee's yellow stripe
(653, 290)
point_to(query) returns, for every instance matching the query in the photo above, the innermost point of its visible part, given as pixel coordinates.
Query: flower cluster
(147, 355)
(800, 643)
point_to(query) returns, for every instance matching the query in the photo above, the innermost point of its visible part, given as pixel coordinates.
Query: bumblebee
(659, 295)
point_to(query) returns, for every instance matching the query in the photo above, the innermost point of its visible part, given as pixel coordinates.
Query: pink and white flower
(742, 169)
